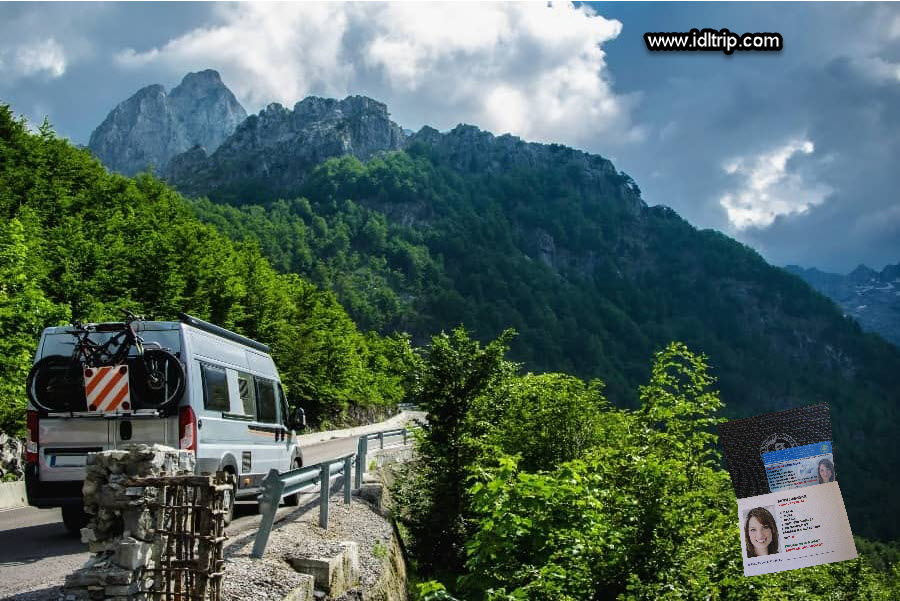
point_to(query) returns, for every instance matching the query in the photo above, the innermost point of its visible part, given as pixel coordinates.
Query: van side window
(248, 393)
(285, 411)
(215, 388)
(266, 401)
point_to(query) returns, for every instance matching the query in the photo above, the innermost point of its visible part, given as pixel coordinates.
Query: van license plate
(68, 460)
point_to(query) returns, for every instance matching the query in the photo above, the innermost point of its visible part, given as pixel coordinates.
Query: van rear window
(63, 344)
(215, 388)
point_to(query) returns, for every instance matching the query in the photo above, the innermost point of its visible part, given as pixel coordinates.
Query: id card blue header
(810, 450)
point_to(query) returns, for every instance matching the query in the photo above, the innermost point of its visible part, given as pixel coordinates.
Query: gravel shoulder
(298, 534)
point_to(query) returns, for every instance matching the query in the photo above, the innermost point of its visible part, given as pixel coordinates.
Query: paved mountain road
(36, 551)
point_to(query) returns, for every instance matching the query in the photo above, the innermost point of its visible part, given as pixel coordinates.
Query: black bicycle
(155, 380)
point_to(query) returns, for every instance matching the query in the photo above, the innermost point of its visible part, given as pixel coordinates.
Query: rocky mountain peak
(862, 274)
(152, 126)
(207, 77)
(278, 147)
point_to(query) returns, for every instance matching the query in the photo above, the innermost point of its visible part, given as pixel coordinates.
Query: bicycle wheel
(55, 383)
(157, 379)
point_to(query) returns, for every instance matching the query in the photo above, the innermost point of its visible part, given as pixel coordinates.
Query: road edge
(12, 495)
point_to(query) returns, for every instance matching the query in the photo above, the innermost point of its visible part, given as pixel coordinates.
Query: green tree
(545, 419)
(455, 370)
(24, 312)
(81, 243)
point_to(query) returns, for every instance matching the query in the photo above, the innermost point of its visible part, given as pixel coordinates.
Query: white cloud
(877, 69)
(768, 188)
(45, 57)
(525, 68)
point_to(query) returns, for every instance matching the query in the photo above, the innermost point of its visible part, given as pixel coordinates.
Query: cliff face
(153, 126)
(272, 152)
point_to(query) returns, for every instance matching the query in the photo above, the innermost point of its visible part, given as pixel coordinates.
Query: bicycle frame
(92, 354)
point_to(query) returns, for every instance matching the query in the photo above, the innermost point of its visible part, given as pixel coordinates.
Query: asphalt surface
(36, 551)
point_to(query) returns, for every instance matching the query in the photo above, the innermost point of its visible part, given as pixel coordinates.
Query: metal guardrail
(363, 447)
(276, 486)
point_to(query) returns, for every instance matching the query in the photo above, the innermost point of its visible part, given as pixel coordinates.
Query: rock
(131, 554)
(152, 126)
(83, 578)
(138, 522)
(335, 574)
(116, 575)
(304, 592)
(88, 535)
(12, 456)
(101, 547)
(122, 590)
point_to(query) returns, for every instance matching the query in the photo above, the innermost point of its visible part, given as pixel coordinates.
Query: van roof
(145, 325)
(176, 325)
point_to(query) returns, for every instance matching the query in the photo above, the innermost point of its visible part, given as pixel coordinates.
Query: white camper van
(231, 411)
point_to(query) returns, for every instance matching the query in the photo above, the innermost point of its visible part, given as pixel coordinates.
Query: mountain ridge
(870, 297)
(281, 145)
(152, 126)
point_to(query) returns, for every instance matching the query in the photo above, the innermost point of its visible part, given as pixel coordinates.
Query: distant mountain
(277, 148)
(870, 297)
(153, 126)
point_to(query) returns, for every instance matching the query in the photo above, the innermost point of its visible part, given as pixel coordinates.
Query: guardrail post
(348, 461)
(272, 487)
(405, 431)
(362, 449)
(324, 473)
(381, 439)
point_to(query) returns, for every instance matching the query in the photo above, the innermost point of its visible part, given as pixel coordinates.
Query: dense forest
(535, 488)
(530, 483)
(593, 281)
(78, 243)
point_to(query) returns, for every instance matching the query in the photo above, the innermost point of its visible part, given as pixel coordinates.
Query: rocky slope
(870, 297)
(152, 126)
(271, 153)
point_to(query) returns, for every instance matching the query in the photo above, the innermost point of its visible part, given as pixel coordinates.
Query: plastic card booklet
(790, 510)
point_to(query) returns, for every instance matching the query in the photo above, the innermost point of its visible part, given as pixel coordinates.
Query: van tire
(294, 499)
(230, 498)
(74, 518)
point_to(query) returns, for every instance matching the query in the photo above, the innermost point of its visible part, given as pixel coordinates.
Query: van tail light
(31, 443)
(187, 429)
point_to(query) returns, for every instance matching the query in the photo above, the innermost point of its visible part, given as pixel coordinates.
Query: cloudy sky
(794, 153)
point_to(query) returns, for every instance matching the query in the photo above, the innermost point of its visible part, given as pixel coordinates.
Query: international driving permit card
(790, 510)
(799, 466)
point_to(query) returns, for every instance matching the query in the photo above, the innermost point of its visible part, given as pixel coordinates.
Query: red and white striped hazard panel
(106, 388)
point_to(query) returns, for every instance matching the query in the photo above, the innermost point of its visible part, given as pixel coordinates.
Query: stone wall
(123, 522)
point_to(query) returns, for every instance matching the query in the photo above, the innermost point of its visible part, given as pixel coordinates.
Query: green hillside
(549, 241)
(466, 228)
(79, 243)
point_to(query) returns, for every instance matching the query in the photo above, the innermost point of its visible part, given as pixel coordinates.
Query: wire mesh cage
(190, 534)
